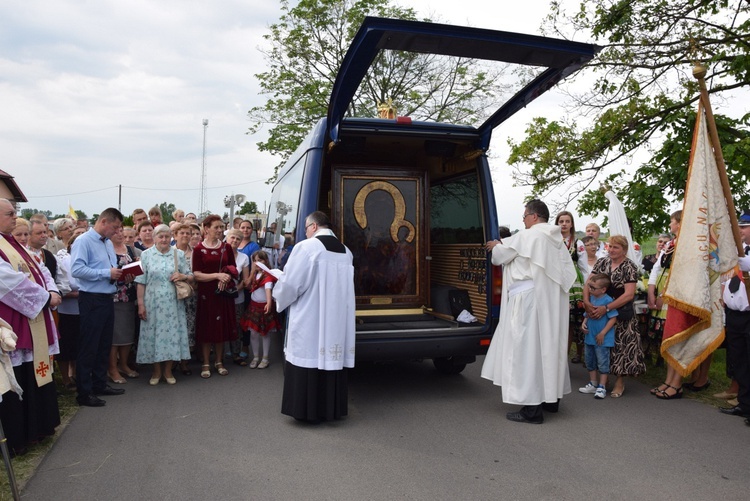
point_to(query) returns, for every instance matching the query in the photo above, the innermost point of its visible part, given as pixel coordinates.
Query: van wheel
(447, 365)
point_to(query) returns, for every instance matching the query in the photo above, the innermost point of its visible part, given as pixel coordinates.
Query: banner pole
(699, 72)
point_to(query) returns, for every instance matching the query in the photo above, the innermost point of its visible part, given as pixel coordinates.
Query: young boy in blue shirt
(600, 336)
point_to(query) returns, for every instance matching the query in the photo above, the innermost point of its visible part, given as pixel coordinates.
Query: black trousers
(97, 316)
(535, 412)
(738, 352)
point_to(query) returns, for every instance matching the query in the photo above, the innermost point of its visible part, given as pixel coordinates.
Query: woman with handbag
(215, 270)
(627, 355)
(163, 336)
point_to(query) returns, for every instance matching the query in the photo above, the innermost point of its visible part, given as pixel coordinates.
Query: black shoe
(747, 421)
(91, 401)
(734, 411)
(692, 387)
(108, 390)
(519, 418)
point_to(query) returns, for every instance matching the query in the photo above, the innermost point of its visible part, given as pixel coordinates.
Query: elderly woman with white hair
(63, 230)
(164, 334)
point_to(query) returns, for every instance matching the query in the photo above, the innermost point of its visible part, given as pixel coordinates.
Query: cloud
(98, 94)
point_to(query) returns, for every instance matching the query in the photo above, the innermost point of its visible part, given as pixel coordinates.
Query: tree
(248, 208)
(27, 213)
(642, 104)
(306, 48)
(166, 212)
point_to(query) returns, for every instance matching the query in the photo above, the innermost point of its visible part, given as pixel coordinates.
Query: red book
(133, 268)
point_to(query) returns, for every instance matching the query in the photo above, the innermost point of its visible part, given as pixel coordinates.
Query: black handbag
(231, 289)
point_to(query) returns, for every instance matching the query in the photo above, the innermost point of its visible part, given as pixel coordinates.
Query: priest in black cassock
(317, 286)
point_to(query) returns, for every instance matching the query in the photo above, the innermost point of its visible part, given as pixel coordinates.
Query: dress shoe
(734, 411)
(519, 418)
(108, 390)
(91, 401)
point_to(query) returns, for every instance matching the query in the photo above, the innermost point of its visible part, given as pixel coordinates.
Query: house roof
(7, 179)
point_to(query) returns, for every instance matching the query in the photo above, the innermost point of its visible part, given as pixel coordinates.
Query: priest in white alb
(528, 353)
(317, 286)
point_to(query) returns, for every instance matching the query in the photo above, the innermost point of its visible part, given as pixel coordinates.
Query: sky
(104, 94)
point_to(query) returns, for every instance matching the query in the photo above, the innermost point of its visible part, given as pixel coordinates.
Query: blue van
(414, 200)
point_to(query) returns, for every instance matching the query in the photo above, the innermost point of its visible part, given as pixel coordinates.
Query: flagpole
(699, 72)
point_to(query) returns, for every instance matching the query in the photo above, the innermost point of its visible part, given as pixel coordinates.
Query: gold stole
(42, 364)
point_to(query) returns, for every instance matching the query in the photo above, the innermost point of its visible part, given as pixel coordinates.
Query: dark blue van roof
(560, 57)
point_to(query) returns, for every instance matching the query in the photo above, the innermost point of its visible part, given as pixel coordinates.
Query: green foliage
(166, 212)
(642, 105)
(248, 208)
(304, 54)
(27, 213)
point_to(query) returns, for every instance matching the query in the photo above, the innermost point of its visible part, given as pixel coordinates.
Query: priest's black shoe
(108, 390)
(735, 411)
(91, 401)
(519, 418)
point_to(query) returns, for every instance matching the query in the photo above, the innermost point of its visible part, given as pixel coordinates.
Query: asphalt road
(411, 434)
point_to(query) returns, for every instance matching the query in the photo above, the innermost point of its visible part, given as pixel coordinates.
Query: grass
(25, 466)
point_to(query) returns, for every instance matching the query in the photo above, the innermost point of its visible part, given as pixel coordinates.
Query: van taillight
(497, 285)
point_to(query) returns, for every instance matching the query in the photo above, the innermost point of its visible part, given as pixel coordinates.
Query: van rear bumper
(403, 346)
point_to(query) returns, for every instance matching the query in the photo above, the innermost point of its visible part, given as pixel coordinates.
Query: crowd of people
(559, 291)
(100, 300)
(105, 298)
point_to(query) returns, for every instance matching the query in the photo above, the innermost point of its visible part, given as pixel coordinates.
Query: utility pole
(203, 195)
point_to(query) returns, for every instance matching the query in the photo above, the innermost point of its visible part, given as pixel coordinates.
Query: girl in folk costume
(260, 316)
(568, 230)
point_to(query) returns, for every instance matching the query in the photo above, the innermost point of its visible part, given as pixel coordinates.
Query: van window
(285, 199)
(456, 211)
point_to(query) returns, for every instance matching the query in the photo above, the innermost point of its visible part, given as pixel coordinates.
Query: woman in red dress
(214, 269)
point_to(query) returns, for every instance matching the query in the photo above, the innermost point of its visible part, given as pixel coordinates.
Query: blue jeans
(597, 358)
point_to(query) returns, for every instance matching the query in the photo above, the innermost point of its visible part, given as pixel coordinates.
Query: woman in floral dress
(163, 336)
(627, 355)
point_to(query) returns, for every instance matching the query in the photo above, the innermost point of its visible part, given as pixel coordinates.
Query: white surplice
(528, 353)
(318, 288)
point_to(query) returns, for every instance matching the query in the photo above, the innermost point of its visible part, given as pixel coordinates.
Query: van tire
(447, 365)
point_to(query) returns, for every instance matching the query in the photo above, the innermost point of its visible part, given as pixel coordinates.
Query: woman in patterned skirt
(627, 355)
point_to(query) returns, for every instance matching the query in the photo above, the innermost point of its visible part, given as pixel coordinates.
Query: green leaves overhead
(304, 51)
(633, 127)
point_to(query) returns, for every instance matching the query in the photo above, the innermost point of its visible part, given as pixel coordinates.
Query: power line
(148, 189)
